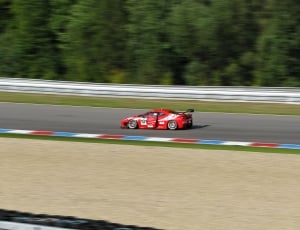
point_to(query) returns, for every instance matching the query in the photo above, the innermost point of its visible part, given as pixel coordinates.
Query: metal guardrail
(253, 94)
(6, 225)
(16, 220)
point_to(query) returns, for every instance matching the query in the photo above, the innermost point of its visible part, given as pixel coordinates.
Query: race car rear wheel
(190, 125)
(172, 125)
(132, 124)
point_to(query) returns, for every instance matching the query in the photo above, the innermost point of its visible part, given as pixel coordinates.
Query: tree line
(186, 42)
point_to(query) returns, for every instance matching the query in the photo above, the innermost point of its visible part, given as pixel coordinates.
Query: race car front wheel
(132, 124)
(172, 125)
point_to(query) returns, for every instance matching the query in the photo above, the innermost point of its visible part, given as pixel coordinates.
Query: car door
(143, 121)
(152, 120)
(161, 121)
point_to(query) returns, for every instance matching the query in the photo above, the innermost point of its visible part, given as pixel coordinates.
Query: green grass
(153, 143)
(199, 106)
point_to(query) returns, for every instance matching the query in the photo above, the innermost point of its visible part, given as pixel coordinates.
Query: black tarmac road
(215, 126)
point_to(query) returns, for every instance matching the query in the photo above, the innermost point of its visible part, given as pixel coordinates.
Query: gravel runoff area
(167, 188)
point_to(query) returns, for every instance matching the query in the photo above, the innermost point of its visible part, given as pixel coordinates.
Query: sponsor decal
(143, 121)
(169, 117)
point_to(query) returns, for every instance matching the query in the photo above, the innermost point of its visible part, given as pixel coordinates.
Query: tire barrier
(14, 220)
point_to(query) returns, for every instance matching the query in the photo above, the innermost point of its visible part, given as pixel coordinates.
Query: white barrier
(7, 225)
(253, 94)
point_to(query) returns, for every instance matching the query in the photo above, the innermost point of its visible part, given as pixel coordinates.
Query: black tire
(190, 125)
(132, 124)
(172, 125)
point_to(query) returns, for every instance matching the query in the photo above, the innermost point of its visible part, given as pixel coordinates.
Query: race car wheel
(172, 125)
(132, 124)
(190, 125)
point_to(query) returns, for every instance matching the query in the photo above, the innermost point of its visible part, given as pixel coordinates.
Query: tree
(58, 21)
(235, 33)
(278, 46)
(95, 40)
(5, 14)
(148, 41)
(190, 32)
(34, 39)
(8, 52)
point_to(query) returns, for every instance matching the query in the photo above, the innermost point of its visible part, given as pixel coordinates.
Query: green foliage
(117, 76)
(33, 39)
(147, 39)
(190, 28)
(193, 42)
(94, 40)
(5, 15)
(8, 52)
(279, 47)
(234, 34)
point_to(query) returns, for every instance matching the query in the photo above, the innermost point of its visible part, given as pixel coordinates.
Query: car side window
(145, 115)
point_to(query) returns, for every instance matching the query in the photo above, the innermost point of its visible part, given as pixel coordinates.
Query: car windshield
(156, 113)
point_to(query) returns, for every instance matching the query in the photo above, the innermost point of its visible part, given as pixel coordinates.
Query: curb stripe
(134, 138)
(109, 136)
(87, 135)
(19, 131)
(63, 134)
(158, 139)
(237, 143)
(267, 145)
(289, 146)
(144, 138)
(182, 140)
(4, 130)
(46, 133)
(210, 142)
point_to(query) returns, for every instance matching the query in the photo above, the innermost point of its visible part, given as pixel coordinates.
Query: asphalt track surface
(212, 126)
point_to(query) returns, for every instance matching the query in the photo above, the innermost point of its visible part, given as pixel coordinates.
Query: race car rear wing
(189, 110)
(186, 112)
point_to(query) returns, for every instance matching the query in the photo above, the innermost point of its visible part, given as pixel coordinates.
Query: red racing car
(160, 119)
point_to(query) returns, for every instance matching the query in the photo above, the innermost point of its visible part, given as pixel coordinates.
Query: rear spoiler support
(189, 110)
